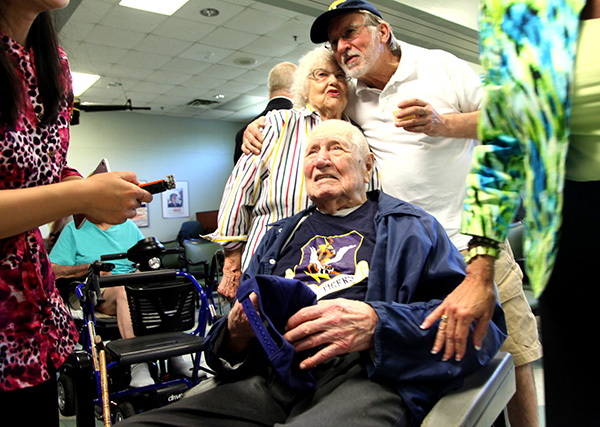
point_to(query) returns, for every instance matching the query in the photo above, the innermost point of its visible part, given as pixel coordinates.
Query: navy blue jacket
(414, 266)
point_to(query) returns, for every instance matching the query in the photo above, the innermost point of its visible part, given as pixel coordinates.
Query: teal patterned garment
(528, 54)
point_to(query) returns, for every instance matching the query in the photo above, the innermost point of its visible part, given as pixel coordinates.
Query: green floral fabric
(528, 54)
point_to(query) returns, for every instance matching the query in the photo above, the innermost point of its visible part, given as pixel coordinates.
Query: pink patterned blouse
(34, 324)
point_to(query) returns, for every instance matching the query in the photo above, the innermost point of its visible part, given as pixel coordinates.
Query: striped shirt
(265, 188)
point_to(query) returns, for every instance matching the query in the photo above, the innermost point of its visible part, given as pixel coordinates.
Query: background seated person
(362, 342)
(72, 255)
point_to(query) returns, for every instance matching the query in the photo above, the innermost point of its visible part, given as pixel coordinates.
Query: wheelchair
(169, 310)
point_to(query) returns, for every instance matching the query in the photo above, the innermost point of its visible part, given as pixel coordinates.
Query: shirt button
(272, 261)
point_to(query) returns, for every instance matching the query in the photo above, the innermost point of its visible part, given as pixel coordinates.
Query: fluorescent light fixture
(82, 81)
(164, 7)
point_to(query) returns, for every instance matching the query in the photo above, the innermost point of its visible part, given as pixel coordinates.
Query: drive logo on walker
(329, 264)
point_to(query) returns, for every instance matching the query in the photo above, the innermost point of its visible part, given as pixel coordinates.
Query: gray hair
(281, 77)
(373, 21)
(306, 64)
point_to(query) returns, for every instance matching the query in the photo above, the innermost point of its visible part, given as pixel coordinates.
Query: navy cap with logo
(318, 31)
(278, 300)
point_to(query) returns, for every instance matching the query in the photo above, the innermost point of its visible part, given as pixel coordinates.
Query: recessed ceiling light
(82, 81)
(244, 61)
(209, 12)
(219, 96)
(155, 6)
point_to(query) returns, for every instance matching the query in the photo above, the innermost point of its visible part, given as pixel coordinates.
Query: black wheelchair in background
(169, 310)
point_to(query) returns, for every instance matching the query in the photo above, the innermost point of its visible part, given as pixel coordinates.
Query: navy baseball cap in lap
(318, 31)
(278, 300)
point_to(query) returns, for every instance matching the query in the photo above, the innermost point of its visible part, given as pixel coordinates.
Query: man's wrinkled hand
(342, 326)
(418, 116)
(232, 273)
(230, 282)
(239, 331)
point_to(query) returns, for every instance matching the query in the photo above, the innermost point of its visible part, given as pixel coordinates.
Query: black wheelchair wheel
(66, 395)
(123, 410)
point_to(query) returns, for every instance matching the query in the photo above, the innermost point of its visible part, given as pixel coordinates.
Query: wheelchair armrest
(140, 277)
(480, 400)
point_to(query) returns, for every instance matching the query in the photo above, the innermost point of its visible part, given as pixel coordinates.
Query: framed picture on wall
(175, 202)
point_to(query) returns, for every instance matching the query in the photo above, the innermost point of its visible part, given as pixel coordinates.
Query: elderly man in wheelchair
(325, 329)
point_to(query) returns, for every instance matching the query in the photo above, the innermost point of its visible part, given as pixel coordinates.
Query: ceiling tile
(273, 47)
(228, 38)
(174, 78)
(253, 21)
(187, 91)
(183, 29)
(204, 82)
(185, 66)
(120, 72)
(151, 87)
(252, 76)
(151, 61)
(239, 87)
(162, 45)
(114, 37)
(294, 30)
(74, 31)
(206, 53)
(132, 19)
(259, 91)
(223, 72)
(90, 11)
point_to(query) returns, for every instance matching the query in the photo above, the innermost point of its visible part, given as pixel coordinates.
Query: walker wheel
(124, 410)
(66, 395)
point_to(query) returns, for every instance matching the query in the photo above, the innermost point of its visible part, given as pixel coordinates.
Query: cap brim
(318, 31)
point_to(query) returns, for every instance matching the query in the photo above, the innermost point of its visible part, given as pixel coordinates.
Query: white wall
(194, 150)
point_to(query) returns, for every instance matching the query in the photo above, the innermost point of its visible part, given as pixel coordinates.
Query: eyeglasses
(320, 75)
(347, 34)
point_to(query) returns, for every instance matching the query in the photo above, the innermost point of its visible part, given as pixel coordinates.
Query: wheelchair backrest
(164, 307)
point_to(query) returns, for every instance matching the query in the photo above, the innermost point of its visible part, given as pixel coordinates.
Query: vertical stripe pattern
(267, 187)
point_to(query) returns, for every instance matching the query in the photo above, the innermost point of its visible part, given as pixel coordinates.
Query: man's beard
(366, 60)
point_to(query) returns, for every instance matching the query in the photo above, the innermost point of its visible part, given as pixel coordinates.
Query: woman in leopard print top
(37, 187)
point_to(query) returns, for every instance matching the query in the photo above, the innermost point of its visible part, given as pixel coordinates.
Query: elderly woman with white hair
(265, 188)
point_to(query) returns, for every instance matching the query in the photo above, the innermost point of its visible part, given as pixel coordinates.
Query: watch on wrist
(482, 246)
(481, 250)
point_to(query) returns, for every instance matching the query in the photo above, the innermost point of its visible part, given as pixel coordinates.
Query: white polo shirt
(429, 172)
